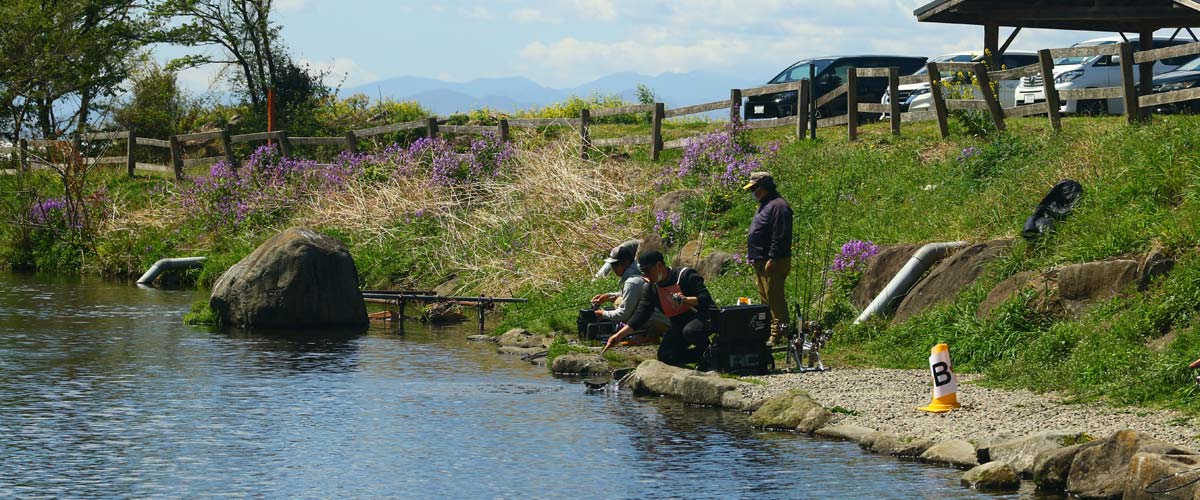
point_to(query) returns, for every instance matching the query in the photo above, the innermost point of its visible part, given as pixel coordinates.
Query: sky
(564, 43)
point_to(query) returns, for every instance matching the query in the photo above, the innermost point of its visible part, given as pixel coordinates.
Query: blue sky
(565, 43)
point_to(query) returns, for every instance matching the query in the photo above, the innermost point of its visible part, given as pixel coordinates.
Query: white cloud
(604, 10)
(570, 54)
(533, 16)
(288, 5)
(476, 12)
(343, 71)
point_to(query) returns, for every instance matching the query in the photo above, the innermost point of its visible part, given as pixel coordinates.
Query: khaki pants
(770, 288)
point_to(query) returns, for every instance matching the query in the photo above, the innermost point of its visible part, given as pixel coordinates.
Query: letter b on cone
(945, 386)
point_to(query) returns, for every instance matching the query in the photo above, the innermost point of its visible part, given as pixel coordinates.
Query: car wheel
(1094, 107)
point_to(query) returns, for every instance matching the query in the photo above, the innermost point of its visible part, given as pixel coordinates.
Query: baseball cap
(759, 178)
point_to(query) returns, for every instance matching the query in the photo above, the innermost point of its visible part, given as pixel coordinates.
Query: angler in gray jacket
(621, 261)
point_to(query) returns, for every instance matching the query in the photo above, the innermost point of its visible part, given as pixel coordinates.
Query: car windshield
(1062, 61)
(950, 58)
(1192, 65)
(800, 70)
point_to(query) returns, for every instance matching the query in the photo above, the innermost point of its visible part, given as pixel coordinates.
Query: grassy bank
(539, 228)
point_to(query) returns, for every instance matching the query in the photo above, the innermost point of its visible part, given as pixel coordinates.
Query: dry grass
(545, 221)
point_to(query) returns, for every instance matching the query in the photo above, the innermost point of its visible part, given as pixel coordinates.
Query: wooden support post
(1052, 103)
(431, 127)
(812, 99)
(894, 92)
(130, 159)
(585, 121)
(351, 146)
(1132, 109)
(852, 104)
(23, 155)
(735, 105)
(176, 157)
(1146, 69)
(989, 95)
(502, 130)
(285, 146)
(802, 105)
(991, 44)
(939, 99)
(656, 138)
(227, 149)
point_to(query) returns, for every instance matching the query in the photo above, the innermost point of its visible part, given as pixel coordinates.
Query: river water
(104, 393)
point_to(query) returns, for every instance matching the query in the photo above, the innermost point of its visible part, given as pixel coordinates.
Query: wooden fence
(36, 153)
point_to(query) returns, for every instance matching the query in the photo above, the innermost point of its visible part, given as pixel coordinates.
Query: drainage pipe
(921, 261)
(167, 265)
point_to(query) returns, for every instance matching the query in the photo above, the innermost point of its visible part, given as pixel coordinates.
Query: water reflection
(103, 393)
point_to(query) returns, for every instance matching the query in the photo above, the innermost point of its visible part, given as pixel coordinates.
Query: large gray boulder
(1052, 467)
(1021, 453)
(1082, 285)
(295, 279)
(1102, 471)
(953, 452)
(992, 476)
(795, 410)
(520, 337)
(710, 266)
(689, 386)
(896, 446)
(1150, 477)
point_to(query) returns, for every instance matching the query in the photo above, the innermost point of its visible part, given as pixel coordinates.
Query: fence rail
(804, 121)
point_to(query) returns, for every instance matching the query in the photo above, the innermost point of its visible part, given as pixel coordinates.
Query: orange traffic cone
(945, 386)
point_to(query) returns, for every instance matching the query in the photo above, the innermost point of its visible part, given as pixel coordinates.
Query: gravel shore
(887, 400)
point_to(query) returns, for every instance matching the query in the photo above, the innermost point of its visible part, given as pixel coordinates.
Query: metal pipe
(169, 264)
(921, 261)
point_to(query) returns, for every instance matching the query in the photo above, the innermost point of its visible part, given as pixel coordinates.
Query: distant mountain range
(514, 93)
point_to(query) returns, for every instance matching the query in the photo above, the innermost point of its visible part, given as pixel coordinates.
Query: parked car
(1092, 72)
(1184, 77)
(916, 96)
(830, 73)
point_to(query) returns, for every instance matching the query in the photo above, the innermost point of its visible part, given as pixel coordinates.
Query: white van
(916, 96)
(1093, 72)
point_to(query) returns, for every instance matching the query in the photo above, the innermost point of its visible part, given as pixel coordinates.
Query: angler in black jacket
(681, 295)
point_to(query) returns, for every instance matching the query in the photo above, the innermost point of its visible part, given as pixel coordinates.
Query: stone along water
(104, 393)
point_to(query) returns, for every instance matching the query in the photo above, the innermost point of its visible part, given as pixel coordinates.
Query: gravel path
(887, 400)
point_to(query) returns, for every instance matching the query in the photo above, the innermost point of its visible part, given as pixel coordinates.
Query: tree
(54, 50)
(249, 41)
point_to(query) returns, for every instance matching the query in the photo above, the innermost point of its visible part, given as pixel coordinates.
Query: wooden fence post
(894, 92)
(656, 147)
(802, 104)
(852, 104)
(285, 146)
(130, 159)
(1132, 106)
(351, 146)
(585, 118)
(502, 130)
(1052, 102)
(431, 128)
(227, 149)
(23, 155)
(939, 100)
(176, 157)
(735, 105)
(985, 88)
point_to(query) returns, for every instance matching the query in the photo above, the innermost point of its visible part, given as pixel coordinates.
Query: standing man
(680, 294)
(769, 249)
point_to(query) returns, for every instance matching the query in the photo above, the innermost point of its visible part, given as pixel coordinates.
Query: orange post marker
(945, 385)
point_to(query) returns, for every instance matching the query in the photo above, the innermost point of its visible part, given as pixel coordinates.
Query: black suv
(830, 73)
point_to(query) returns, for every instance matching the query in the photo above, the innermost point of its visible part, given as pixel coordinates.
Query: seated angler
(621, 261)
(682, 296)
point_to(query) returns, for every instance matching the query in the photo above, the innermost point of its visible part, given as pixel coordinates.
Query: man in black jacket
(681, 295)
(769, 249)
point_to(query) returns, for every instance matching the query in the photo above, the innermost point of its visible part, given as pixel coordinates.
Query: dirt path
(887, 400)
